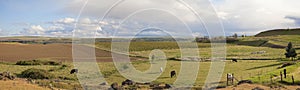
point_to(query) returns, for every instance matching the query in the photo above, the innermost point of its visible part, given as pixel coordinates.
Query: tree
(290, 51)
(235, 35)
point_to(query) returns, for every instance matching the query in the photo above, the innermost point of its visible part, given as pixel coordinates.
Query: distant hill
(279, 32)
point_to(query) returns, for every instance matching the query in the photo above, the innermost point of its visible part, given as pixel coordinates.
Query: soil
(60, 52)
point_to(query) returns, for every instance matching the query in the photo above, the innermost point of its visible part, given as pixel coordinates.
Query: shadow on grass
(271, 65)
(255, 43)
(163, 77)
(289, 83)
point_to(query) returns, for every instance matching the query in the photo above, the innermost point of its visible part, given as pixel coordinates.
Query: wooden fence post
(293, 79)
(280, 76)
(232, 79)
(227, 80)
(284, 73)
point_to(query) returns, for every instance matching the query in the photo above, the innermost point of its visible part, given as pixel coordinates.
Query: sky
(84, 18)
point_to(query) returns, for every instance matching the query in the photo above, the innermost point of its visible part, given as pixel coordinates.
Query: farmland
(12, 52)
(251, 65)
(241, 71)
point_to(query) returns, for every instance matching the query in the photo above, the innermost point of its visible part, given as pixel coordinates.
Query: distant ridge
(276, 32)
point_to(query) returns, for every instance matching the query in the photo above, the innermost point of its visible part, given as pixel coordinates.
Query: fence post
(259, 78)
(280, 76)
(293, 79)
(232, 79)
(284, 72)
(227, 80)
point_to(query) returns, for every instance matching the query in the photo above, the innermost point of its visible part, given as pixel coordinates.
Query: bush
(63, 66)
(28, 63)
(36, 74)
(37, 62)
(173, 58)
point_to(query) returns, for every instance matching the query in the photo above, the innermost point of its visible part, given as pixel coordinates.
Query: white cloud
(67, 20)
(1, 32)
(64, 21)
(197, 34)
(85, 27)
(34, 29)
(56, 27)
(85, 21)
(168, 14)
(295, 19)
(238, 16)
(222, 15)
(252, 16)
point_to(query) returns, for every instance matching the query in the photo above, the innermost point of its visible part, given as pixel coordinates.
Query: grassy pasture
(172, 50)
(146, 46)
(281, 40)
(254, 68)
(56, 70)
(240, 69)
(233, 51)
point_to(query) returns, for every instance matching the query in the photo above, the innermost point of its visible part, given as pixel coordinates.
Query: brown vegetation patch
(60, 52)
(19, 84)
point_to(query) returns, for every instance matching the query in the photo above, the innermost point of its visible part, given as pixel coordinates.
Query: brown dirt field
(19, 84)
(251, 86)
(61, 52)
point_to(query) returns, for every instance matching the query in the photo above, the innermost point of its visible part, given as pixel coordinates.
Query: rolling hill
(278, 38)
(275, 32)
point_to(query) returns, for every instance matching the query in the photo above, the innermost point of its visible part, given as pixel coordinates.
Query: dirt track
(252, 86)
(61, 52)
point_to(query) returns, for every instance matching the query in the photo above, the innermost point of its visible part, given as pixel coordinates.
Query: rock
(168, 86)
(1, 77)
(11, 77)
(114, 86)
(154, 85)
(74, 71)
(245, 81)
(147, 83)
(127, 82)
(6, 75)
(257, 88)
(104, 83)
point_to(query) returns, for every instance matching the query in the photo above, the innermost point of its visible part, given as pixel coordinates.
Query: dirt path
(252, 86)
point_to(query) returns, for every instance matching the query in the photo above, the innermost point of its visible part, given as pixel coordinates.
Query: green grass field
(250, 65)
(242, 70)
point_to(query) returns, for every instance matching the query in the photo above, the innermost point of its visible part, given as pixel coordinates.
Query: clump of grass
(37, 62)
(62, 67)
(108, 73)
(61, 85)
(67, 78)
(36, 74)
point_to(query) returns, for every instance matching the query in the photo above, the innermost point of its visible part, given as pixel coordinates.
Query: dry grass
(19, 84)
